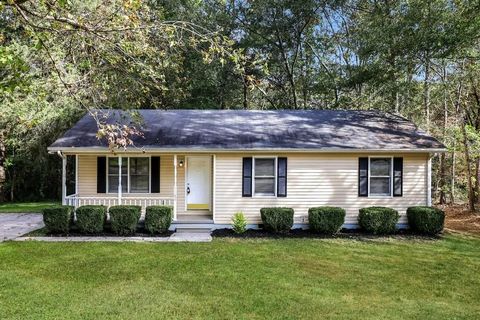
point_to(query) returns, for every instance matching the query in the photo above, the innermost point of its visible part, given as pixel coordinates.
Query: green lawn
(15, 207)
(242, 279)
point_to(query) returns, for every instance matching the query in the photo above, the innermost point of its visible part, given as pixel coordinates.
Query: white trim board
(105, 150)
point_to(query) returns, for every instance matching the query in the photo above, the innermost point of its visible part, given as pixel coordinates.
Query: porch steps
(193, 229)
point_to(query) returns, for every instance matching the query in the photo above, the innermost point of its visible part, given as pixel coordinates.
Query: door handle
(188, 190)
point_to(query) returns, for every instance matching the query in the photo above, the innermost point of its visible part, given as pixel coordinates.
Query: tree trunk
(12, 186)
(471, 194)
(443, 179)
(2, 167)
(452, 182)
(426, 92)
(477, 180)
(245, 93)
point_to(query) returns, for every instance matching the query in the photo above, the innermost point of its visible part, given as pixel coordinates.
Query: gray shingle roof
(256, 129)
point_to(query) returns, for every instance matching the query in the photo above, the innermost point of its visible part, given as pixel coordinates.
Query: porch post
(175, 187)
(64, 179)
(76, 174)
(214, 185)
(119, 180)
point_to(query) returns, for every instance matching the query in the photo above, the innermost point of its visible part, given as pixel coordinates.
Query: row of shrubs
(376, 220)
(91, 219)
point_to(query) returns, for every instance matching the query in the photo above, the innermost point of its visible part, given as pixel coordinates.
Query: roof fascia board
(256, 150)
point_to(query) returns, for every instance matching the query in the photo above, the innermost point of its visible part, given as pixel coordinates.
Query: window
(380, 176)
(135, 175)
(113, 174)
(139, 175)
(264, 176)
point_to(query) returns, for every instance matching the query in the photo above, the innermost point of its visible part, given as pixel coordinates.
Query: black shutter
(101, 174)
(363, 177)
(155, 175)
(397, 177)
(282, 177)
(247, 177)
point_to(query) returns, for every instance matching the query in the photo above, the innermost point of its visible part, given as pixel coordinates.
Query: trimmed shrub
(326, 220)
(57, 219)
(428, 220)
(277, 219)
(90, 219)
(158, 218)
(124, 219)
(378, 220)
(239, 223)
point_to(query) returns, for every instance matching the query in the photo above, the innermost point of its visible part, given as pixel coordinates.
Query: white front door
(198, 182)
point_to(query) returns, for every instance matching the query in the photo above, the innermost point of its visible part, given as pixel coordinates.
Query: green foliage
(59, 59)
(124, 219)
(428, 220)
(90, 218)
(326, 220)
(158, 218)
(239, 223)
(378, 220)
(277, 219)
(57, 219)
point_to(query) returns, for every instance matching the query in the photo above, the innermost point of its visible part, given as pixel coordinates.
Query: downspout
(175, 187)
(429, 180)
(119, 180)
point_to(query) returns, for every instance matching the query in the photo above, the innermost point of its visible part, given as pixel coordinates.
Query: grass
(25, 207)
(242, 279)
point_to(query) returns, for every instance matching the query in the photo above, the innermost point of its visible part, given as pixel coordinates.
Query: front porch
(184, 182)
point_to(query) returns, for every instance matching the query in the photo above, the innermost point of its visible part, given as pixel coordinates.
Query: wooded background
(60, 59)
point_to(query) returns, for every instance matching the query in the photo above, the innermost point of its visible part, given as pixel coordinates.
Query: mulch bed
(141, 232)
(301, 233)
(459, 219)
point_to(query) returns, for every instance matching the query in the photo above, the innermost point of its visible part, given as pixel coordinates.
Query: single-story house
(210, 164)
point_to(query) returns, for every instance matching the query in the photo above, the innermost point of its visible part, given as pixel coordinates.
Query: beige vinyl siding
(87, 175)
(315, 180)
(87, 178)
(312, 180)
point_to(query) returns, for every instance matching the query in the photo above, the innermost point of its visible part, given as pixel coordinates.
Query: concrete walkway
(13, 225)
(176, 237)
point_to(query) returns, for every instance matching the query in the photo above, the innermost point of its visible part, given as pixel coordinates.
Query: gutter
(106, 150)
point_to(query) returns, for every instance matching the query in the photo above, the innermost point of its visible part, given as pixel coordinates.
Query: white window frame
(108, 175)
(375, 195)
(128, 174)
(265, 195)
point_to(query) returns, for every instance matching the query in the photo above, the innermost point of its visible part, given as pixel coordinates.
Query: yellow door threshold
(197, 206)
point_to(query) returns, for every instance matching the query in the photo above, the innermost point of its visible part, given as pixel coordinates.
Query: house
(209, 164)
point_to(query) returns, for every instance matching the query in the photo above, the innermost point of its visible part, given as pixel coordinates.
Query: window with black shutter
(363, 177)
(397, 177)
(101, 174)
(282, 177)
(247, 177)
(155, 175)
(264, 171)
(380, 176)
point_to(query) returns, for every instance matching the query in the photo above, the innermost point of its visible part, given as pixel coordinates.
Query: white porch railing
(78, 201)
